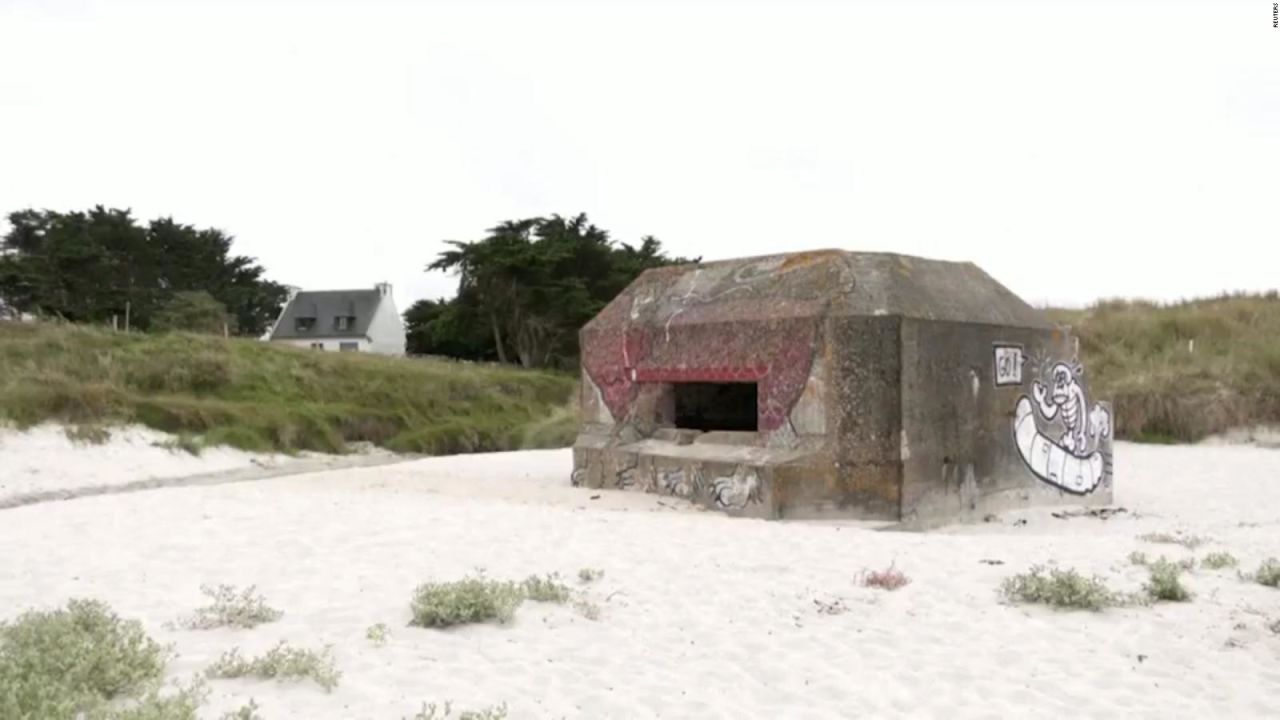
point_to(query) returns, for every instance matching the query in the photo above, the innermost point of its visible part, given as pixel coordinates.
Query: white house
(342, 320)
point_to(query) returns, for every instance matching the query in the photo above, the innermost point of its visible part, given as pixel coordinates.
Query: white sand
(44, 458)
(702, 616)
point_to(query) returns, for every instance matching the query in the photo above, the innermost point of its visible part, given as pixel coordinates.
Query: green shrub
(1165, 584)
(1219, 560)
(1268, 573)
(281, 663)
(245, 609)
(1059, 589)
(545, 589)
(56, 663)
(589, 575)
(181, 705)
(377, 634)
(1139, 558)
(470, 600)
(87, 434)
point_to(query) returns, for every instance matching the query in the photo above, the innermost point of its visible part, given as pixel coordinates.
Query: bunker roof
(817, 283)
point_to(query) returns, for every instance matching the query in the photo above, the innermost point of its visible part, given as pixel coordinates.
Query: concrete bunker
(837, 384)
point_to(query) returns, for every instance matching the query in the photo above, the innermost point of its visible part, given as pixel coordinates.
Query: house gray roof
(325, 306)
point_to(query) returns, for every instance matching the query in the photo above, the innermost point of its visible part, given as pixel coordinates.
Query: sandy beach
(701, 615)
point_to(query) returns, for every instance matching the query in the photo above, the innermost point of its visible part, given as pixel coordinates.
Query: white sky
(1073, 150)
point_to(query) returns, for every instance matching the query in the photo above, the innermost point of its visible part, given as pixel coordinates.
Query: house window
(304, 324)
(348, 347)
(317, 346)
(344, 322)
(716, 406)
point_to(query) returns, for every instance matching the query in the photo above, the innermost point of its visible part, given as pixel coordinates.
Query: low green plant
(1165, 584)
(183, 442)
(244, 712)
(461, 602)
(377, 634)
(589, 575)
(1138, 557)
(229, 608)
(1059, 589)
(1274, 626)
(545, 589)
(281, 663)
(1190, 542)
(87, 434)
(587, 609)
(433, 712)
(183, 704)
(1268, 573)
(76, 659)
(1219, 560)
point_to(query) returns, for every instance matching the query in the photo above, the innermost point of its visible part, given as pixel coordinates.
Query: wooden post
(126, 316)
(115, 323)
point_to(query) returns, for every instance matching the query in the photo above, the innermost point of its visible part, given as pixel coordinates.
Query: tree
(193, 311)
(91, 266)
(532, 284)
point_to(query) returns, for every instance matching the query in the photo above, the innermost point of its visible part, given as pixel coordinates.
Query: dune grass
(1184, 371)
(260, 396)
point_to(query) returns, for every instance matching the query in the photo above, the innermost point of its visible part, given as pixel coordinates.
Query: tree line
(102, 266)
(524, 289)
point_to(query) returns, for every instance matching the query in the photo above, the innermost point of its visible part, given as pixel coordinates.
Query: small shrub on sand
(1059, 589)
(890, 578)
(1219, 560)
(1274, 626)
(1139, 558)
(1165, 584)
(589, 575)
(470, 600)
(244, 712)
(281, 663)
(245, 609)
(87, 434)
(57, 663)
(181, 705)
(432, 712)
(587, 609)
(545, 589)
(1268, 573)
(377, 634)
(1190, 542)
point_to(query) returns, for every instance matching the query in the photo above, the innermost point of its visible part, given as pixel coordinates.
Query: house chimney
(384, 289)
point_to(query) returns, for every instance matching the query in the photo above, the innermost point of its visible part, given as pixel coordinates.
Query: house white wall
(387, 329)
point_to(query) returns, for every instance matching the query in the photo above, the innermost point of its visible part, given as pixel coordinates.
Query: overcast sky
(1073, 150)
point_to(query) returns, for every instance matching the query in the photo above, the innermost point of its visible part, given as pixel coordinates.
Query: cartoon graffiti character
(735, 491)
(1064, 397)
(1076, 461)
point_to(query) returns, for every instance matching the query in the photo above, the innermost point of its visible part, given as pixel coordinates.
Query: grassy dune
(1181, 372)
(1175, 373)
(257, 396)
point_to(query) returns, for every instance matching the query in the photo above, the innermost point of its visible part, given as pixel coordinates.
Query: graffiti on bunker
(1061, 437)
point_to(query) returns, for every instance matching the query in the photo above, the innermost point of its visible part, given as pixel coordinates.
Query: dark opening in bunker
(716, 406)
